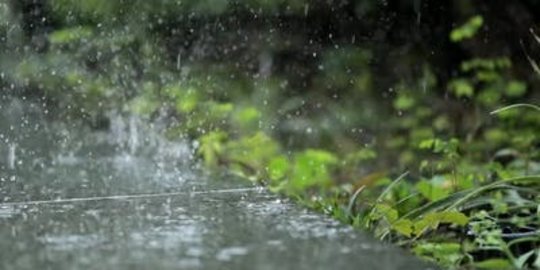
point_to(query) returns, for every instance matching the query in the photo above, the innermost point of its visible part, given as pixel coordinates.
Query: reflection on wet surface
(199, 223)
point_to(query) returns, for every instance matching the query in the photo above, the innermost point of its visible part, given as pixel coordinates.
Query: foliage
(467, 30)
(324, 102)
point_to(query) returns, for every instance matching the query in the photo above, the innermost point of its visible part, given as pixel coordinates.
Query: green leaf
(362, 155)
(143, 105)
(453, 217)
(467, 30)
(403, 227)
(490, 96)
(72, 34)
(211, 147)
(404, 102)
(434, 219)
(278, 167)
(487, 75)
(247, 117)
(522, 260)
(462, 88)
(188, 102)
(494, 264)
(311, 168)
(516, 89)
(220, 110)
(427, 144)
(486, 64)
(382, 210)
(447, 255)
(255, 151)
(536, 262)
(433, 189)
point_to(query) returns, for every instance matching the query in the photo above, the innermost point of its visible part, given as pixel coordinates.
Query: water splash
(133, 133)
(12, 156)
(117, 132)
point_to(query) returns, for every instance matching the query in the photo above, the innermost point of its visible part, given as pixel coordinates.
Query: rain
(269, 134)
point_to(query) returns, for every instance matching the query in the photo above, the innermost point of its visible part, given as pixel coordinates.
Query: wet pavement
(71, 198)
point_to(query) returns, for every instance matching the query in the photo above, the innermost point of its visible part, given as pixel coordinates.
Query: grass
(463, 214)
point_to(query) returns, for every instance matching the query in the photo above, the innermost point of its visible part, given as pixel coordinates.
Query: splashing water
(11, 156)
(133, 141)
(82, 199)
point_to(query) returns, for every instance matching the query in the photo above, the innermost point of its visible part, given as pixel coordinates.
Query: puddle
(8, 211)
(228, 253)
(67, 242)
(98, 218)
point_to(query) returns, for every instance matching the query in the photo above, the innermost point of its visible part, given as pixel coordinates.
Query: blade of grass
(513, 106)
(435, 205)
(479, 190)
(459, 198)
(352, 201)
(533, 63)
(386, 190)
(406, 199)
(536, 37)
(389, 187)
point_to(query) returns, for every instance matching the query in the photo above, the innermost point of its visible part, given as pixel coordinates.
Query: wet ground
(71, 198)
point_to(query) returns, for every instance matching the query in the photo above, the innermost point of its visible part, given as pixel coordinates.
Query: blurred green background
(338, 74)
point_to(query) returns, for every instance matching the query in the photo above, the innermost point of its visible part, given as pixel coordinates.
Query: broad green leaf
(403, 227)
(434, 189)
(384, 211)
